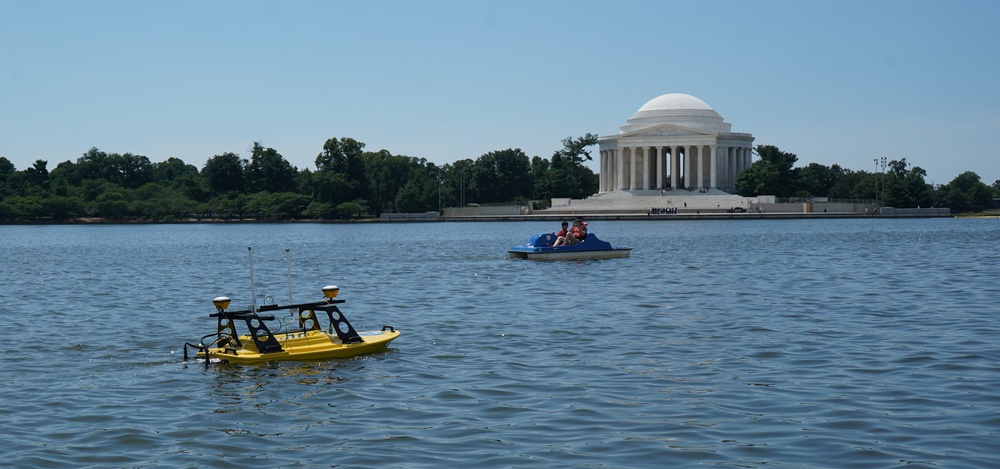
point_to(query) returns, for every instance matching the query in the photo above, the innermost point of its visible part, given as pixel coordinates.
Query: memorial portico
(675, 141)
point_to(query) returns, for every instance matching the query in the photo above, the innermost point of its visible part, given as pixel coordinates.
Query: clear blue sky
(838, 82)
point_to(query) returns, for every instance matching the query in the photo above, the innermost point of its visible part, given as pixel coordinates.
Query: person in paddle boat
(575, 234)
(581, 231)
(562, 233)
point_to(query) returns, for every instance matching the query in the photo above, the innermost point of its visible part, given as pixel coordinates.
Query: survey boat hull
(539, 248)
(303, 346)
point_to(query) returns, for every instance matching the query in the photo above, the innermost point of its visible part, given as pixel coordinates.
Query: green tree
(575, 149)
(226, 206)
(914, 191)
(17, 184)
(345, 157)
(111, 204)
(126, 170)
(62, 208)
(818, 180)
(351, 209)
(967, 192)
(502, 176)
(6, 169)
(320, 210)
(903, 186)
(94, 164)
(422, 190)
(854, 185)
(131, 171)
(224, 173)
(7, 210)
(159, 203)
(63, 177)
(254, 205)
(38, 174)
(567, 173)
(761, 178)
(166, 172)
(542, 175)
(29, 206)
(269, 171)
(386, 175)
(192, 186)
(458, 185)
(773, 174)
(285, 205)
(330, 187)
(410, 198)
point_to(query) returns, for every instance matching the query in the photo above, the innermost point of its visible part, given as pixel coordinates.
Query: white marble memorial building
(674, 141)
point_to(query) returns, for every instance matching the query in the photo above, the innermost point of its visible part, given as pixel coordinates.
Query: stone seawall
(699, 215)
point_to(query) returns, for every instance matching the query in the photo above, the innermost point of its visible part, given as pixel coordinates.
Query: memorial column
(713, 167)
(724, 166)
(701, 166)
(619, 168)
(688, 160)
(661, 166)
(675, 166)
(647, 167)
(606, 168)
(636, 168)
(739, 163)
(602, 173)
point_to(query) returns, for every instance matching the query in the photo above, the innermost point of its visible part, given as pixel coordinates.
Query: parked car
(737, 210)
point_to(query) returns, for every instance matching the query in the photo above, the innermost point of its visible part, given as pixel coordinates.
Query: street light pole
(875, 178)
(882, 174)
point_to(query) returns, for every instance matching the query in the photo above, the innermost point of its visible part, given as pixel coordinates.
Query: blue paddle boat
(539, 247)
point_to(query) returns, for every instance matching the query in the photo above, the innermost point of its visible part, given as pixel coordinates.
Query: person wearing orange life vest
(582, 231)
(575, 235)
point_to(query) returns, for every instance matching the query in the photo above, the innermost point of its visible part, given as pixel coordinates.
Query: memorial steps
(641, 201)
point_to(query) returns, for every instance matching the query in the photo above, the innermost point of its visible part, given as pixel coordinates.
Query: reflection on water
(243, 388)
(829, 343)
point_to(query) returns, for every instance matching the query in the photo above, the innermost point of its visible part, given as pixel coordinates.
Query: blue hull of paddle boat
(539, 247)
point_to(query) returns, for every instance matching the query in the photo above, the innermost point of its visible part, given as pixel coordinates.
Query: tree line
(347, 182)
(895, 183)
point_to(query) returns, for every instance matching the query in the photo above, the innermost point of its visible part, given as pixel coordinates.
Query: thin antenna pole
(253, 288)
(288, 265)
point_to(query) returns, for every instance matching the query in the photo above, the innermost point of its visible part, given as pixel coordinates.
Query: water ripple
(832, 343)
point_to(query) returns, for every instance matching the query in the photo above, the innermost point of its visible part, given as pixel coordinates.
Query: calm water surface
(829, 343)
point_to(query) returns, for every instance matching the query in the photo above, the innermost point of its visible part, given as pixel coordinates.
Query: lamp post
(882, 174)
(884, 165)
(875, 178)
(880, 165)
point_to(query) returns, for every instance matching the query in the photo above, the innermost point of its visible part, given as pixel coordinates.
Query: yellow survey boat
(305, 340)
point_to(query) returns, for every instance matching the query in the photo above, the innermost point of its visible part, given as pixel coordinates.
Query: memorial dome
(673, 102)
(677, 109)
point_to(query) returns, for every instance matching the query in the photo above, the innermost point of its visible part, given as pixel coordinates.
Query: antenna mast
(253, 288)
(288, 265)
